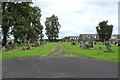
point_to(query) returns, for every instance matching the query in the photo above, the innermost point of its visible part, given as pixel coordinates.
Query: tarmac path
(58, 51)
(58, 67)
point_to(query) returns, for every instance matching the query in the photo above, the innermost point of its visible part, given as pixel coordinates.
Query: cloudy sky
(79, 16)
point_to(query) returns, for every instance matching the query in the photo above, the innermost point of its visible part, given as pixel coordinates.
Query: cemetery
(28, 37)
(93, 50)
(41, 42)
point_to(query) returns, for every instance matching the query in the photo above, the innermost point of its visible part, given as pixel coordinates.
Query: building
(114, 37)
(89, 37)
(73, 37)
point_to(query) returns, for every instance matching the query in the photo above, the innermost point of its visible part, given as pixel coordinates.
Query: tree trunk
(28, 43)
(4, 41)
(92, 44)
(48, 39)
(108, 47)
(37, 42)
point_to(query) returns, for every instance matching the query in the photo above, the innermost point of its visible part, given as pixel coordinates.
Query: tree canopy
(22, 19)
(104, 33)
(52, 27)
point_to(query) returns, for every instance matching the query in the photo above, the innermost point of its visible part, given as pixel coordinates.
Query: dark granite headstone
(99, 48)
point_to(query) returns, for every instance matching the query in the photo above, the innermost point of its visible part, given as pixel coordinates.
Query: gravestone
(16, 45)
(13, 46)
(7, 47)
(91, 44)
(86, 47)
(99, 48)
(95, 43)
(118, 44)
(110, 45)
(115, 43)
(73, 43)
(80, 44)
(100, 43)
(10, 43)
(23, 48)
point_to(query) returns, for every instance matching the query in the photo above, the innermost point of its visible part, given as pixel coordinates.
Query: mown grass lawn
(95, 54)
(35, 51)
(74, 50)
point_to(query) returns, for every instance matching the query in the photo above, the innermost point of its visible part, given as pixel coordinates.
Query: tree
(28, 24)
(7, 20)
(36, 12)
(104, 32)
(67, 37)
(52, 28)
(22, 19)
(11, 17)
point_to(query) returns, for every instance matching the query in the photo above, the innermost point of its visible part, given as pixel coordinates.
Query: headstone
(73, 43)
(80, 44)
(12, 46)
(18, 42)
(95, 43)
(110, 45)
(23, 48)
(100, 43)
(7, 47)
(22, 41)
(99, 48)
(118, 44)
(86, 47)
(15, 45)
(115, 43)
(10, 43)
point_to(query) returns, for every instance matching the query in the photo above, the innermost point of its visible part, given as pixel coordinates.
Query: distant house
(114, 37)
(70, 38)
(88, 37)
(73, 37)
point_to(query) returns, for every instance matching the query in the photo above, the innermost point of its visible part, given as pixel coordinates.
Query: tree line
(22, 20)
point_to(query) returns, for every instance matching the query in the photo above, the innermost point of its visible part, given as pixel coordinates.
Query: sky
(79, 16)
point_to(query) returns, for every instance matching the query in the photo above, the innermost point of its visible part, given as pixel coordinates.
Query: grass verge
(95, 54)
(35, 51)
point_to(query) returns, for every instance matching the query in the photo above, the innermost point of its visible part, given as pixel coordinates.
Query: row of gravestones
(10, 45)
(89, 45)
(37, 43)
(115, 43)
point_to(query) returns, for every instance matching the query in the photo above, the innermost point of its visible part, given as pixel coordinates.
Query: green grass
(95, 54)
(74, 50)
(35, 51)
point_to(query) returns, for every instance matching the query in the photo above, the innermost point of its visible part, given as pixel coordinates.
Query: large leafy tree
(36, 12)
(11, 17)
(22, 19)
(67, 37)
(52, 28)
(28, 24)
(7, 19)
(104, 32)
